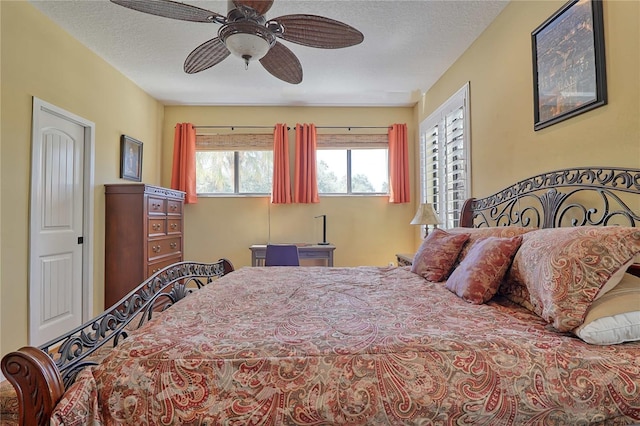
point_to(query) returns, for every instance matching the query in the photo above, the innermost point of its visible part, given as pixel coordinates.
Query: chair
(281, 255)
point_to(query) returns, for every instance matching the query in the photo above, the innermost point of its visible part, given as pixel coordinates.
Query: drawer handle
(156, 226)
(174, 207)
(156, 249)
(174, 226)
(156, 206)
(173, 245)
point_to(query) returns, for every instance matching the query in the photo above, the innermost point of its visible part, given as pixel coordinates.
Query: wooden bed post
(227, 266)
(37, 381)
(466, 213)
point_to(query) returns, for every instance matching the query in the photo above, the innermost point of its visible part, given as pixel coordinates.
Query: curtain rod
(237, 127)
(289, 128)
(352, 127)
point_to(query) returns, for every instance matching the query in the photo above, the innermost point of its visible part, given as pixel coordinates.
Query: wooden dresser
(143, 233)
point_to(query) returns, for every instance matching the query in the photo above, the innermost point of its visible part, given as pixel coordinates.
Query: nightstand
(404, 259)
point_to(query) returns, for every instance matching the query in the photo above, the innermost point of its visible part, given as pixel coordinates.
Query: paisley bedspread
(357, 346)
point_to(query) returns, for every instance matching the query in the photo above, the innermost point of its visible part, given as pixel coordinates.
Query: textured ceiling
(407, 46)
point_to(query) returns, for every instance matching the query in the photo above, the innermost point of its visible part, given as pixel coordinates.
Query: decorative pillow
(478, 276)
(514, 290)
(437, 255)
(564, 269)
(614, 317)
(518, 293)
(477, 234)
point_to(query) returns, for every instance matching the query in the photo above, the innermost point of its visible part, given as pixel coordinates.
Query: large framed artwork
(130, 158)
(569, 75)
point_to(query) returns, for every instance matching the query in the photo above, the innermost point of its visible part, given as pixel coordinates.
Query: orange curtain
(281, 190)
(398, 164)
(183, 171)
(306, 182)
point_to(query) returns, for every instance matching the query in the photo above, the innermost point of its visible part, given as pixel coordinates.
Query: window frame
(349, 143)
(439, 195)
(234, 143)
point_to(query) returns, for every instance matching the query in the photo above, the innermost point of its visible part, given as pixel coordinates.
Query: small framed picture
(569, 63)
(130, 158)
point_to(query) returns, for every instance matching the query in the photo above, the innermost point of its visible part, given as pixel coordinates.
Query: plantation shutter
(429, 166)
(445, 160)
(454, 166)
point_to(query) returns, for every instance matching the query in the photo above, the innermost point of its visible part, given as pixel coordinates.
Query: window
(352, 164)
(444, 158)
(234, 164)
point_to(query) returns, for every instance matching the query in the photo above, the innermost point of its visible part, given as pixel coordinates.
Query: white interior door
(59, 292)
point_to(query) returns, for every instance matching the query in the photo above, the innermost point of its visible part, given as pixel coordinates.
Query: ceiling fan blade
(260, 6)
(283, 64)
(318, 31)
(172, 9)
(205, 56)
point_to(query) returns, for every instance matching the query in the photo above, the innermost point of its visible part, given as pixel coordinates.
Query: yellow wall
(1, 352)
(504, 146)
(365, 230)
(39, 59)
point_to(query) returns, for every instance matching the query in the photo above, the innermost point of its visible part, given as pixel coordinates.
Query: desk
(305, 251)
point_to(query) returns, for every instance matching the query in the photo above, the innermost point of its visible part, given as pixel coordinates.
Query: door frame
(40, 106)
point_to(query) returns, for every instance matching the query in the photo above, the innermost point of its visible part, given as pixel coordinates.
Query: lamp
(324, 229)
(247, 40)
(425, 216)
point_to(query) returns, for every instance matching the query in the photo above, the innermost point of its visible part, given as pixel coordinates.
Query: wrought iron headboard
(567, 197)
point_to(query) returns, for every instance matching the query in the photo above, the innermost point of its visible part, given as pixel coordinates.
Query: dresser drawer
(157, 226)
(164, 247)
(174, 226)
(156, 205)
(174, 207)
(152, 268)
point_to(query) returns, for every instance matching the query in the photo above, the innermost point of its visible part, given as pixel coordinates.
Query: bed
(485, 327)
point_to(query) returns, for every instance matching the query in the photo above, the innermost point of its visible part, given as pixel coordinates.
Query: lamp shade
(425, 215)
(247, 46)
(247, 40)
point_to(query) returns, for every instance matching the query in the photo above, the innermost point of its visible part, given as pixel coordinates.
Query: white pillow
(615, 316)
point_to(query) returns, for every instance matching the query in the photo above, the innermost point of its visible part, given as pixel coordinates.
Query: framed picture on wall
(130, 158)
(569, 75)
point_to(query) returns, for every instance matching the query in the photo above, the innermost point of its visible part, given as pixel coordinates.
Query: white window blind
(444, 158)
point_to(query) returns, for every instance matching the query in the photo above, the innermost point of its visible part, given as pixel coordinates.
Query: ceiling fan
(246, 33)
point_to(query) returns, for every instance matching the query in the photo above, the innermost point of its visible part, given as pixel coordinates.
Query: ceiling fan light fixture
(247, 40)
(247, 34)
